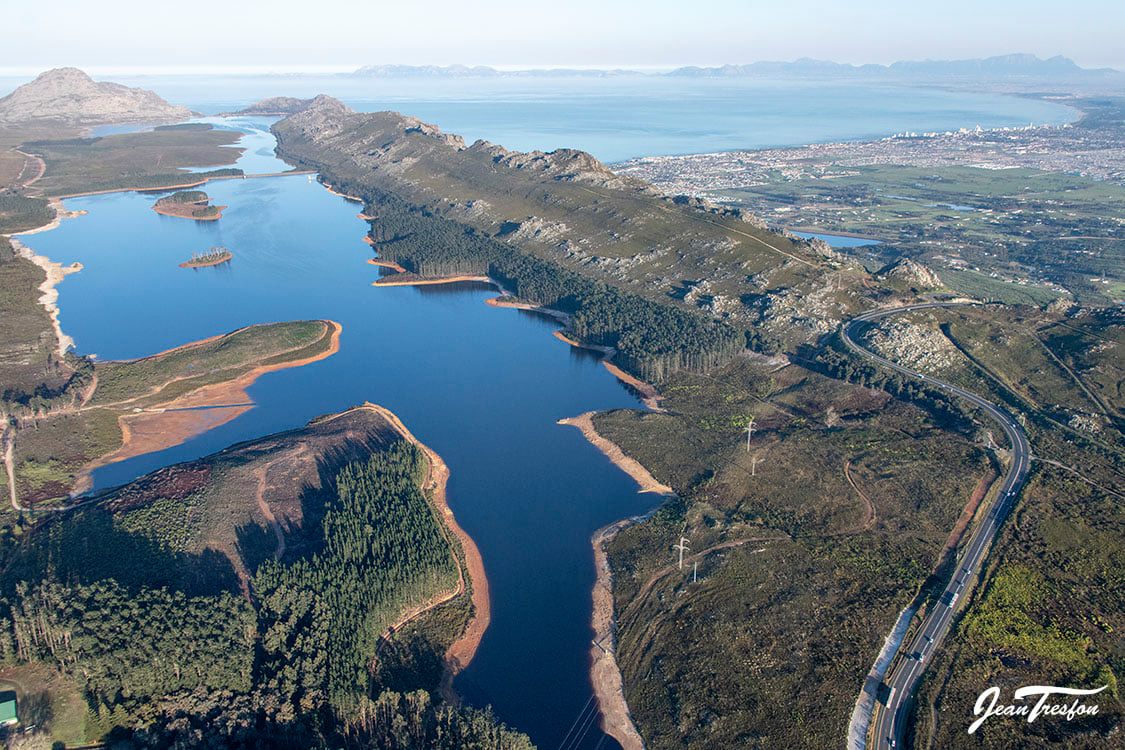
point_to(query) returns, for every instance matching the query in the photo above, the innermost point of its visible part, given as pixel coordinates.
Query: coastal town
(1017, 214)
(1094, 149)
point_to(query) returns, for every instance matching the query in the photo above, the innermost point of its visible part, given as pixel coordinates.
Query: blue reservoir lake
(839, 240)
(482, 386)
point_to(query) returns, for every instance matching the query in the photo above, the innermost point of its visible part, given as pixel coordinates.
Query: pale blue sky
(139, 35)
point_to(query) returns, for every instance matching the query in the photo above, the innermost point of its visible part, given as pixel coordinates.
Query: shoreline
(461, 652)
(207, 263)
(334, 191)
(49, 299)
(605, 675)
(197, 183)
(430, 280)
(505, 303)
(174, 422)
(165, 211)
(386, 264)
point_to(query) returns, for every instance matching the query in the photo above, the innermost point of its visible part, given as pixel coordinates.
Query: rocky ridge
(69, 96)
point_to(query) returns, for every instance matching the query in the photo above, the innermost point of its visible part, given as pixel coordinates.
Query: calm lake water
(482, 386)
(621, 117)
(838, 240)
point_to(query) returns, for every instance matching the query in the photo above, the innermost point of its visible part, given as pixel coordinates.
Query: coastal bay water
(481, 386)
(626, 116)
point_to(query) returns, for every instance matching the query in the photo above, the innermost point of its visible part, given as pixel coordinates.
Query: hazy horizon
(298, 70)
(126, 37)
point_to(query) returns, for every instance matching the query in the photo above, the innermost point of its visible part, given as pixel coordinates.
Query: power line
(581, 713)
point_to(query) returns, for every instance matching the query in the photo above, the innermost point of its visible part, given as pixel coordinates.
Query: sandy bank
(49, 298)
(428, 280)
(60, 214)
(462, 651)
(645, 481)
(649, 395)
(386, 264)
(174, 422)
(507, 303)
(616, 720)
(609, 689)
(345, 196)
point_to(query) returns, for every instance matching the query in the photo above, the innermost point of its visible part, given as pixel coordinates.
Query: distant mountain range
(1023, 66)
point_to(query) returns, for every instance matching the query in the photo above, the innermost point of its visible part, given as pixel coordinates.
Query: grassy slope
(149, 159)
(53, 449)
(770, 647)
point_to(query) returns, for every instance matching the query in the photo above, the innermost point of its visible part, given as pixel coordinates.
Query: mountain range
(1022, 66)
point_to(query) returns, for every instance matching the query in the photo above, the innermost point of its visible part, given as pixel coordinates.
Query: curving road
(891, 725)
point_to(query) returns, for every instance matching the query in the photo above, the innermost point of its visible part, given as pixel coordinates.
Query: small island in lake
(189, 204)
(214, 257)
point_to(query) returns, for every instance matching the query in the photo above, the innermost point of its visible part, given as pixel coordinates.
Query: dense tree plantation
(652, 339)
(163, 660)
(410, 721)
(129, 647)
(384, 551)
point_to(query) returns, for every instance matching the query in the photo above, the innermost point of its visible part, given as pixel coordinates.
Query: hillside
(568, 209)
(243, 599)
(67, 96)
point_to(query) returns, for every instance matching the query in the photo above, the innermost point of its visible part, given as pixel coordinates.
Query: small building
(8, 714)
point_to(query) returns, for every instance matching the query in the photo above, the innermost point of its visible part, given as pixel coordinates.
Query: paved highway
(907, 671)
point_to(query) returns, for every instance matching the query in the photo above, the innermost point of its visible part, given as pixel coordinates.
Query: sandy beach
(428, 280)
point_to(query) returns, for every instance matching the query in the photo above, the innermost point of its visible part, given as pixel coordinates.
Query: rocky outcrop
(913, 273)
(277, 106)
(69, 96)
(919, 347)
